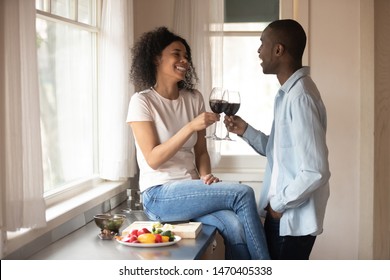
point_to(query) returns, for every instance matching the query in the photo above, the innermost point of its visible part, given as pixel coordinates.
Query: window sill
(65, 217)
(86, 200)
(241, 168)
(248, 175)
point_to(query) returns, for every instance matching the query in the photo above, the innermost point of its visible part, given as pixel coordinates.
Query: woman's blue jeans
(194, 200)
(226, 221)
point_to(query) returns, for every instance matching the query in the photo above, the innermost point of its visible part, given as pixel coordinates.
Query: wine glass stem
(215, 129)
(227, 136)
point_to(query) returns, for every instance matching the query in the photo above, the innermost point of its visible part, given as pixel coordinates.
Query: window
(67, 59)
(244, 22)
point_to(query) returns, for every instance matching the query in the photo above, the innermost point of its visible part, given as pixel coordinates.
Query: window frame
(245, 167)
(68, 190)
(249, 166)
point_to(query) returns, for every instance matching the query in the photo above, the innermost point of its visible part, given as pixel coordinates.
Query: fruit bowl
(109, 224)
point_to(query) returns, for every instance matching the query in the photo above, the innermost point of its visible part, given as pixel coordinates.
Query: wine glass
(217, 105)
(233, 100)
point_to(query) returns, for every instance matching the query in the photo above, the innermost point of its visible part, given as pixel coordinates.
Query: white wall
(334, 57)
(149, 14)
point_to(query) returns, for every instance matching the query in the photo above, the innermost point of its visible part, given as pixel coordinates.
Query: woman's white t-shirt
(168, 116)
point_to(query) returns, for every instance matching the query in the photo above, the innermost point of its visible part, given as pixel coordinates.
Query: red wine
(218, 106)
(231, 109)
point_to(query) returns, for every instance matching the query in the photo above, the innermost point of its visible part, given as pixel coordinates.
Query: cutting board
(184, 230)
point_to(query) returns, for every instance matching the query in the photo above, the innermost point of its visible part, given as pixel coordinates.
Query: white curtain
(117, 149)
(200, 22)
(21, 177)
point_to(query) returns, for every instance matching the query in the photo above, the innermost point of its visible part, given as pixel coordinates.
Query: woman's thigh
(190, 199)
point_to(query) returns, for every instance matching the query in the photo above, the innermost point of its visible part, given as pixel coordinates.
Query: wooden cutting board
(184, 230)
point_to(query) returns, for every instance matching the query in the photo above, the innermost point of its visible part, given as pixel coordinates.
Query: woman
(169, 121)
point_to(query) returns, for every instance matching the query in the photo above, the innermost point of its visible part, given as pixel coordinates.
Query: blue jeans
(226, 221)
(193, 200)
(286, 247)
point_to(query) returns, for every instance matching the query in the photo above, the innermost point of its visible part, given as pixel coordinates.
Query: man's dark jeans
(286, 247)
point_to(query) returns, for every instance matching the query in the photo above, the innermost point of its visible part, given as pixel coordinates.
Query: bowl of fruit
(109, 224)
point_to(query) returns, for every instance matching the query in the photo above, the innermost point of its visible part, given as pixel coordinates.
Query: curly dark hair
(147, 49)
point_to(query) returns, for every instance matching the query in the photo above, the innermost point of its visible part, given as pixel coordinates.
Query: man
(295, 188)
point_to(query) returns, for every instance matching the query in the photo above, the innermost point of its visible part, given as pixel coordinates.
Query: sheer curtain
(117, 149)
(200, 22)
(21, 189)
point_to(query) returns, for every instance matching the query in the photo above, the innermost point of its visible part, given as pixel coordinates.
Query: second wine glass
(233, 100)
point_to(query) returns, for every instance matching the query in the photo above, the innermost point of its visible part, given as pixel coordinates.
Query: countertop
(85, 244)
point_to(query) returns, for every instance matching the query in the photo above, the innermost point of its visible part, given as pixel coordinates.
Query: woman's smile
(181, 68)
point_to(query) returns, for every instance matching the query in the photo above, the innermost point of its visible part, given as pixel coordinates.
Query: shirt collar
(304, 71)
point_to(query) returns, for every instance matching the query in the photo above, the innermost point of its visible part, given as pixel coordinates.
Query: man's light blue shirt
(302, 187)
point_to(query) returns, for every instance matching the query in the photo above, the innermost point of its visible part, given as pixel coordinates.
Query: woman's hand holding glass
(204, 120)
